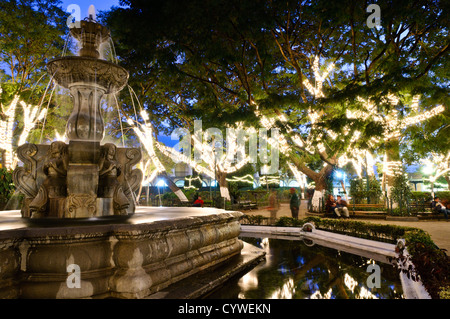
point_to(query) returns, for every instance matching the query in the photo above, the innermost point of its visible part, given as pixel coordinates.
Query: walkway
(438, 230)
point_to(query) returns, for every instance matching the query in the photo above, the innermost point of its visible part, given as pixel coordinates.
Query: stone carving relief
(54, 186)
(43, 181)
(25, 177)
(109, 187)
(78, 204)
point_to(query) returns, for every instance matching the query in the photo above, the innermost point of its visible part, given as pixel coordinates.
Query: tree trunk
(174, 188)
(319, 178)
(392, 155)
(321, 187)
(223, 185)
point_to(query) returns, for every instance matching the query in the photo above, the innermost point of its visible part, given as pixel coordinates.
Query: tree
(31, 33)
(231, 61)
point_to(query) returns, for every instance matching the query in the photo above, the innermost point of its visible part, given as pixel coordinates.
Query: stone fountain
(82, 179)
(79, 233)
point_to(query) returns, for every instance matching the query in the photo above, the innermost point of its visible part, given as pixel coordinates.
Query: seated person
(341, 207)
(198, 202)
(438, 207)
(330, 204)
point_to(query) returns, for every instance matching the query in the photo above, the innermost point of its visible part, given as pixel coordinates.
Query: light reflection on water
(292, 270)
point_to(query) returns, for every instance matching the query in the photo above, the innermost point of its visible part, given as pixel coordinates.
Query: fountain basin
(136, 258)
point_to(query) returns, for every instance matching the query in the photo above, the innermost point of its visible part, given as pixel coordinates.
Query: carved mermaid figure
(55, 185)
(109, 186)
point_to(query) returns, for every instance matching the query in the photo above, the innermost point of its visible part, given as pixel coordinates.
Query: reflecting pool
(294, 269)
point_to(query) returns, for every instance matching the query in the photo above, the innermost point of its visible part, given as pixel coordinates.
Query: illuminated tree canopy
(301, 66)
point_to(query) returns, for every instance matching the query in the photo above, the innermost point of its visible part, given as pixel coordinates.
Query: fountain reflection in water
(294, 270)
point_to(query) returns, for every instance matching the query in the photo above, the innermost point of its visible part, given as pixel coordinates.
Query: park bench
(424, 207)
(367, 207)
(366, 210)
(247, 204)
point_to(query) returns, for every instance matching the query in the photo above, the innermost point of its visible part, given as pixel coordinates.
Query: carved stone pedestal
(79, 180)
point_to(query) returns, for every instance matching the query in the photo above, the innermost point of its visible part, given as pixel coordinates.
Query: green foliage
(285, 221)
(432, 264)
(443, 195)
(401, 192)
(215, 60)
(6, 186)
(31, 33)
(350, 227)
(444, 293)
(254, 219)
(191, 193)
(423, 196)
(359, 191)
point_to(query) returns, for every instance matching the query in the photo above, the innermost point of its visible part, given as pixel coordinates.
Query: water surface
(293, 270)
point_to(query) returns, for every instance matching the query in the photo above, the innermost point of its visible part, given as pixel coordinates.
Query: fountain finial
(90, 34)
(91, 13)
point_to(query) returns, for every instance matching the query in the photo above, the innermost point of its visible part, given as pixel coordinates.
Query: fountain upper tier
(87, 68)
(73, 70)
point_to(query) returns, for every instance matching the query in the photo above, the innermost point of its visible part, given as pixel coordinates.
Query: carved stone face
(57, 150)
(110, 151)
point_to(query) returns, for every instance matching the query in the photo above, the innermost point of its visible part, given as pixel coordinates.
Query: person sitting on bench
(438, 207)
(330, 204)
(341, 207)
(198, 202)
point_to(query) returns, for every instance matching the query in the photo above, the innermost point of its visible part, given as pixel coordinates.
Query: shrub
(444, 293)
(432, 264)
(359, 191)
(253, 219)
(6, 186)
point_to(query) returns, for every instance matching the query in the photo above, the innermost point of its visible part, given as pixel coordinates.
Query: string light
(190, 179)
(422, 117)
(300, 177)
(6, 132)
(392, 168)
(145, 134)
(267, 179)
(244, 179)
(441, 165)
(392, 127)
(30, 118)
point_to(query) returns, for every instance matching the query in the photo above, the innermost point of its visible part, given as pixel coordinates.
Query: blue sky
(100, 5)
